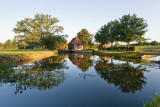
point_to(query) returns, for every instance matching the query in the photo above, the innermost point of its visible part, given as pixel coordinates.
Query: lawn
(152, 48)
(17, 52)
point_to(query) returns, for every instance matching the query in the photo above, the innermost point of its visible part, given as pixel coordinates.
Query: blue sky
(77, 14)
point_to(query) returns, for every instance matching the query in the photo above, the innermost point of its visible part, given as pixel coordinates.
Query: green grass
(114, 54)
(17, 52)
(155, 49)
(151, 47)
(5, 66)
(26, 50)
(154, 102)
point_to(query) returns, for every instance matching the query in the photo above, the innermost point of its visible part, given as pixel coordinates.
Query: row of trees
(153, 43)
(127, 29)
(8, 45)
(42, 31)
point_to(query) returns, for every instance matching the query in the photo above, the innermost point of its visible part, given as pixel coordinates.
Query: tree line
(9, 44)
(152, 43)
(42, 31)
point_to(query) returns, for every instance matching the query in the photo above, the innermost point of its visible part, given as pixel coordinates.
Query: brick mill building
(75, 44)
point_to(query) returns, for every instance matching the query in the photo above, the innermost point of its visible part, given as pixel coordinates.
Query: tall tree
(108, 33)
(32, 30)
(132, 28)
(85, 37)
(101, 37)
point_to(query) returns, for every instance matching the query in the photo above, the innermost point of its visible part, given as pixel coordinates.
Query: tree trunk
(101, 46)
(112, 45)
(127, 46)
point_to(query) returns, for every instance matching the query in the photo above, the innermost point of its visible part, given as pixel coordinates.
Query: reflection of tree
(48, 64)
(43, 74)
(81, 61)
(105, 59)
(126, 77)
(86, 63)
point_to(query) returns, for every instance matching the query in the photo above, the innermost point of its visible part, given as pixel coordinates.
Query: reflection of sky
(155, 58)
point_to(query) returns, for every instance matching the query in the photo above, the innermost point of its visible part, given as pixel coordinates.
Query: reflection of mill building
(75, 44)
(83, 62)
(76, 59)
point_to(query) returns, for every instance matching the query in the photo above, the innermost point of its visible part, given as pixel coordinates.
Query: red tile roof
(76, 41)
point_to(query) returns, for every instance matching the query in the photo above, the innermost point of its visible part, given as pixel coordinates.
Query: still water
(76, 80)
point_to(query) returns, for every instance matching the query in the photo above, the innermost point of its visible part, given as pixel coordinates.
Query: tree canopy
(108, 33)
(85, 37)
(127, 29)
(132, 28)
(32, 30)
(154, 43)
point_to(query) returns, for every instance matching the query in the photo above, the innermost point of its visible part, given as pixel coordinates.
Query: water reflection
(126, 77)
(42, 75)
(151, 62)
(85, 86)
(49, 73)
(83, 62)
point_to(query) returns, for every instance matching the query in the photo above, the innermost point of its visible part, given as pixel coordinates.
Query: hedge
(121, 48)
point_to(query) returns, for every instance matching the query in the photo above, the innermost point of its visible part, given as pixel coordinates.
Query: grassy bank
(20, 56)
(20, 51)
(123, 54)
(117, 54)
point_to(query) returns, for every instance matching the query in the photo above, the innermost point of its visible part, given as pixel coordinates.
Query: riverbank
(125, 54)
(22, 56)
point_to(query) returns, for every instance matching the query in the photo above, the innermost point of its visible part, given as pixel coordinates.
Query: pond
(76, 80)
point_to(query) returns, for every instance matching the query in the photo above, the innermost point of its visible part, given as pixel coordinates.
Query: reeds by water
(153, 102)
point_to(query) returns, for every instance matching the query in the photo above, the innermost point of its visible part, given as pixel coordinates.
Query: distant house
(75, 44)
(107, 45)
